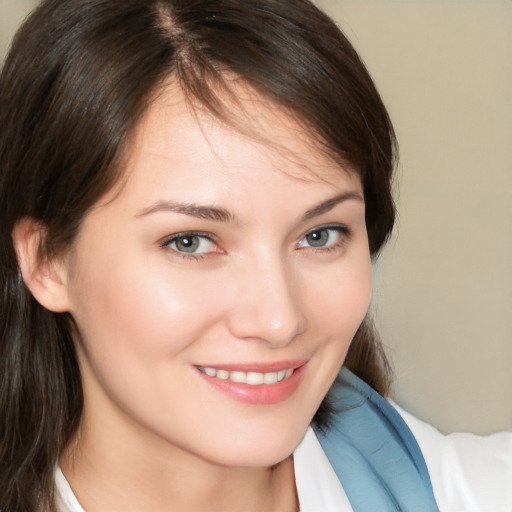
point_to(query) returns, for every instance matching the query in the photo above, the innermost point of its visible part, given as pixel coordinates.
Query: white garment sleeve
(469, 473)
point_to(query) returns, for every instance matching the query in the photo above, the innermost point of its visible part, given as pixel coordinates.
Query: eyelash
(342, 231)
(165, 244)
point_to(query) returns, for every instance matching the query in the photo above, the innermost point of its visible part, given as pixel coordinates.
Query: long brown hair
(79, 76)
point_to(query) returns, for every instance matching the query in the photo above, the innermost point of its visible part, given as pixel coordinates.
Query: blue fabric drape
(373, 452)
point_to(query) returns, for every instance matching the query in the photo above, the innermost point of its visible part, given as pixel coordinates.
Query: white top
(469, 473)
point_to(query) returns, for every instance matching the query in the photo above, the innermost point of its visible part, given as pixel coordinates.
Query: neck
(112, 473)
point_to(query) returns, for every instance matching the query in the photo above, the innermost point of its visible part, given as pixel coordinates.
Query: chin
(258, 450)
(254, 458)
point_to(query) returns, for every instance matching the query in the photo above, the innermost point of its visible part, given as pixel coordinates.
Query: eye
(190, 243)
(324, 237)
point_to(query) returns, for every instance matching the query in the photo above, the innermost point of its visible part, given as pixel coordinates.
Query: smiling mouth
(251, 378)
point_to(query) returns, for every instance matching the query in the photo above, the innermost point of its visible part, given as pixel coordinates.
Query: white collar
(66, 500)
(318, 486)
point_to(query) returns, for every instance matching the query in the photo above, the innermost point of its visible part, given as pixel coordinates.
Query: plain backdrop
(443, 294)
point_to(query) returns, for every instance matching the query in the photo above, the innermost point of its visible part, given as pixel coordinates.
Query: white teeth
(254, 378)
(251, 378)
(237, 376)
(270, 378)
(212, 372)
(222, 374)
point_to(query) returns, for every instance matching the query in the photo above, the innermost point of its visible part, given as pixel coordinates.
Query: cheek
(138, 331)
(342, 298)
(133, 316)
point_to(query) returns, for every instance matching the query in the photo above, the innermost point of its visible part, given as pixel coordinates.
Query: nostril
(268, 324)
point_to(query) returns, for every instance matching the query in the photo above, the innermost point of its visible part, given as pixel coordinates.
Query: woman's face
(217, 291)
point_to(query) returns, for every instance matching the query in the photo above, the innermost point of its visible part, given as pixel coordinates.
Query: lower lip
(261, 394)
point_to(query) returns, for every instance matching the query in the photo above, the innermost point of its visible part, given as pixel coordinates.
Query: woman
(192, 195)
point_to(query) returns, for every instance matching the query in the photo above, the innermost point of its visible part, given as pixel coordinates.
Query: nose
(267, 305)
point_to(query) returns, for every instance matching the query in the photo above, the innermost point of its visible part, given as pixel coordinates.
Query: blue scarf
(373, 452)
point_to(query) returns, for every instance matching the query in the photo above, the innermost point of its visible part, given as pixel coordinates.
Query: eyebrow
(193, 210)
(328, 205)
(222, 215)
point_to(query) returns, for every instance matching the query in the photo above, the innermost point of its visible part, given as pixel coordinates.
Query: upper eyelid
(338, 227)
(343, 231)
(213, 238)
(182, 234)
(166, 243)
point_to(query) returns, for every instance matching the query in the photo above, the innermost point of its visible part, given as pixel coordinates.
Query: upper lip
(257, 367)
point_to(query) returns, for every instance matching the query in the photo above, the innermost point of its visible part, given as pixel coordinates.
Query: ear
(45, 278)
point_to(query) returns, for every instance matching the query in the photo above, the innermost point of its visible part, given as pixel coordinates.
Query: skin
(154, 430)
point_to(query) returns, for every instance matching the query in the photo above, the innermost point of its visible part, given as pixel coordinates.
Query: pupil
(187, 243)
(317, 238)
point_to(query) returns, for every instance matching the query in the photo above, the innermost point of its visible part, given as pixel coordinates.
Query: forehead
(180, 137)
(240, 111)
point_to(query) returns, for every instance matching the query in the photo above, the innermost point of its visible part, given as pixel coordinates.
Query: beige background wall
(444, 291)
(443, 295)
